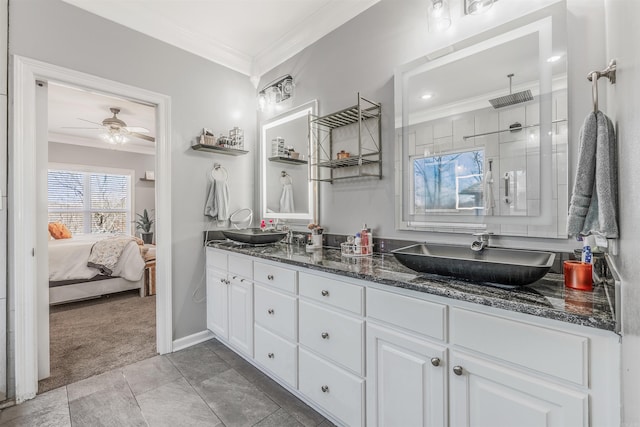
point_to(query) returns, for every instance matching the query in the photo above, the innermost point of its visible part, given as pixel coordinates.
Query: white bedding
(68, 259)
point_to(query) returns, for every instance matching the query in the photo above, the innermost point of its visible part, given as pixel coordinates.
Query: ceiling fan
(117, 131)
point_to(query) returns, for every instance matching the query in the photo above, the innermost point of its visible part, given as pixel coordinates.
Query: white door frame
(22, 257)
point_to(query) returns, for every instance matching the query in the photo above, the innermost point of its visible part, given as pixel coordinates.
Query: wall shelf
(366, 157)
(147, 180)
(289, 160)
(217, 149)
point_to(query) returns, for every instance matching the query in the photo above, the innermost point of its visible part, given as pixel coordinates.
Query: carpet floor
(95, 336)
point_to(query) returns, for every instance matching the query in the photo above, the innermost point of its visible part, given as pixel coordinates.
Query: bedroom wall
(144, 191)
(203, 94)
(362, 55)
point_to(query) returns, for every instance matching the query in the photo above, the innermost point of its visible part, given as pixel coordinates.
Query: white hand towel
(594, 201)
(286, 197)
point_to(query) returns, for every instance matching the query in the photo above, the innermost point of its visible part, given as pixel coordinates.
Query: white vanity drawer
(278, 277)
(417, 315)
(216, 259)
(240, 266)
(340, 393)
(334, 335)
(330, 291)
(551, 352)
(276, 354)
(275, 311)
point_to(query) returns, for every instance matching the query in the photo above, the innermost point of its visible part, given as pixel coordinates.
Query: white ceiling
(69, 108)
(249, 36)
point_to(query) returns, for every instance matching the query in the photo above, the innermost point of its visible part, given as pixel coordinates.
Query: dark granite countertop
(547, 298)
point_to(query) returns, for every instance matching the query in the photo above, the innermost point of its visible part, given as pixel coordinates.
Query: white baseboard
(188, 341)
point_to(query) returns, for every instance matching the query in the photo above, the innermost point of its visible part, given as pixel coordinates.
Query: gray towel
(594, 202)
(217, 204)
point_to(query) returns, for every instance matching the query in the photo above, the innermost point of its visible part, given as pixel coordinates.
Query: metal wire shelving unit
(366, 160)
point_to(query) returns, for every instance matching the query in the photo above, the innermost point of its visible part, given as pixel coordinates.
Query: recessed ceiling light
(427, 96)
(554, 58)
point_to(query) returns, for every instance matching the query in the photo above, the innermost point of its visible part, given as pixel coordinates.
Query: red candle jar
(578, 275)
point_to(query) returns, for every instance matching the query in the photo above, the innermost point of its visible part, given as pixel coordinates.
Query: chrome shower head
(512, 98)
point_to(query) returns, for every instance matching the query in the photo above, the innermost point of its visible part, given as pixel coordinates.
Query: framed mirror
(482, 132)
(288, 189)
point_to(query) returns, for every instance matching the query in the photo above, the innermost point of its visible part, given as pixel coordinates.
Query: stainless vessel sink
(254, 236)
(512, 267)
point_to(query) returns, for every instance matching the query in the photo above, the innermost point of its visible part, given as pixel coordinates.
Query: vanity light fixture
(439, 16)
(554, 58)
(275, 92)
(476, 7)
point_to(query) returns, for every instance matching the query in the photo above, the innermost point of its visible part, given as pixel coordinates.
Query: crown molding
(162, 28)
(307, 32)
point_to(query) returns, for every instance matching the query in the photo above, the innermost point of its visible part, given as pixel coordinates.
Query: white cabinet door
(487, 394)
(217, 305)
(241, 315)
(405, 380)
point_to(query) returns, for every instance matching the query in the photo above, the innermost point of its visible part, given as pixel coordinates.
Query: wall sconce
(476, 7)
(275, 92)
(439, 16)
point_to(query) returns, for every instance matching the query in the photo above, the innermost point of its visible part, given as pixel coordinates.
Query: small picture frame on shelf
(149, 175)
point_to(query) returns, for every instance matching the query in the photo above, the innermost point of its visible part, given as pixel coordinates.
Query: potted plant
(143, 224)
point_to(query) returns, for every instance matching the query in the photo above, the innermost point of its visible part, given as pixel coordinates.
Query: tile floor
(204, 385)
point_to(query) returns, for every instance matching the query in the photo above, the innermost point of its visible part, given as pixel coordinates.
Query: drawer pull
(270, 277)
(325, 335)
(271, 311)
(325, 293)
(234, 277)
(457, 370)
(270, 355)
(325, 389)
(435, 361)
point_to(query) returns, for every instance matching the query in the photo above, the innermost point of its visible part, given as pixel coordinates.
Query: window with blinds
(90, 202)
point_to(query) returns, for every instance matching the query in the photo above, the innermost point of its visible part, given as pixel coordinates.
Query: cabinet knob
(325, 293)
(221, 280)
(457, 370)
(270, 355)
(270, 311)
(228, 282)
(241, 280)
(325, 389)
(325, 335)
(234, 277)
(270, 277)
(435, 361)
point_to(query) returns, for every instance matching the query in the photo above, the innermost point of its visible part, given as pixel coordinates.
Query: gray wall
(622, 44)
(361, 56)
(203, 94)
(144, 191)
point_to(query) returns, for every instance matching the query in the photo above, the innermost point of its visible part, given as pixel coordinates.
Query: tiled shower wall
(513, 153)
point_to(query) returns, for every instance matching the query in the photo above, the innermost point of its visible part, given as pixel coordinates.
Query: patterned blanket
(105, 253)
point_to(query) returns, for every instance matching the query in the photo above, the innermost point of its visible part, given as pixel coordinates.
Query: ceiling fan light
(115, 138)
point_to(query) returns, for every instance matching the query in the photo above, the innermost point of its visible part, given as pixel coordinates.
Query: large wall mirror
(288, 189)
(482, 132)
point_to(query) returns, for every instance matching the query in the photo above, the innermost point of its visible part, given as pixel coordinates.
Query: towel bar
(593, 76)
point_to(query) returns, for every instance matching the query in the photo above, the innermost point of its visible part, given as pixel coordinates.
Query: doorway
(99, 165)
(24, 244)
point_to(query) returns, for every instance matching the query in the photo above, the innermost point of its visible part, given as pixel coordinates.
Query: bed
(71, 278)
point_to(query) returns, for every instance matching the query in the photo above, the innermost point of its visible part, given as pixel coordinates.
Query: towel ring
(219, 172)
(593, 76)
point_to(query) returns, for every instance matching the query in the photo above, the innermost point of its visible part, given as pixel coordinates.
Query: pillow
(59, 231)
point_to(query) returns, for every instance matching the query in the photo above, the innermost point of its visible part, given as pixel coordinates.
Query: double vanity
(367, 341)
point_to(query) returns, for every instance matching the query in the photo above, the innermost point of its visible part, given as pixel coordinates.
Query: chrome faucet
(481, 241)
